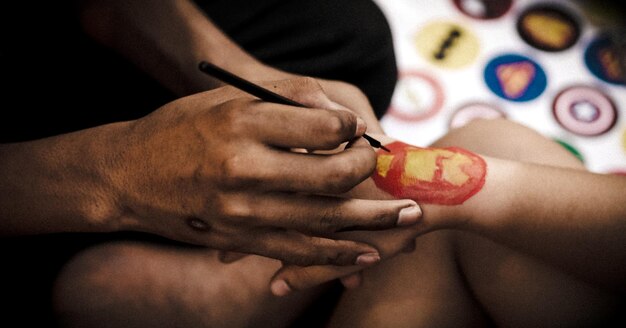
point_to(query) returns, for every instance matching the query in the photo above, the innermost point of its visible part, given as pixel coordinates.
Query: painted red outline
(437, 191)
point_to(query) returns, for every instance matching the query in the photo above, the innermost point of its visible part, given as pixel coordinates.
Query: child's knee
(505, 139)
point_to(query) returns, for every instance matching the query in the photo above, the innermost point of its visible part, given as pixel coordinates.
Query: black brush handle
(260, 92)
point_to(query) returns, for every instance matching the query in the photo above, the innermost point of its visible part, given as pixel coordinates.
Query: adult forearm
(166, 39)
(56, 184)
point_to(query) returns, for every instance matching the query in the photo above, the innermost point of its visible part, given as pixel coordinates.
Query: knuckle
(304, 254)
(308, 84)
(338, 257)
(234, 207)
(336, 125)
(328, 251)
(342, 125)
(310, 92)
(235, 171)
(234, 113)
(341, 177)
(329, 221)
(383, 220)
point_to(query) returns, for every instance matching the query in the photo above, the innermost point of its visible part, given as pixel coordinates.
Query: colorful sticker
(548, 27)
(571, 149)
(445, 176)
(447, 44)
(515, 77)
(484, 9)
(470, 112)
(584, 111)
(418, 96)
(603, 61)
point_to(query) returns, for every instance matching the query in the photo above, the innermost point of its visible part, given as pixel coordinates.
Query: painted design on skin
(445, 176)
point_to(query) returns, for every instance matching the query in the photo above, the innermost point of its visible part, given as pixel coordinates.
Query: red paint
(438, 190)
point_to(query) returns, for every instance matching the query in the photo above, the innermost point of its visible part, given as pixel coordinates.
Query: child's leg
(449, 273)
(149, 285)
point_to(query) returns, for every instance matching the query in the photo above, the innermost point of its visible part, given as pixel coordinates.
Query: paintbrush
(261, 93)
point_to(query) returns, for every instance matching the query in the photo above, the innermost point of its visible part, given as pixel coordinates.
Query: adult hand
(215, 169)
(389, 243)
(345, 94)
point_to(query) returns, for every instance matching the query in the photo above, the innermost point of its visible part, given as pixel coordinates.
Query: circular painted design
(603, 61)
(515, 77)
(548, 27)
(447, 44)
(470, 112)
(484, 9)
(571, 149)
(418, 96)
(584, 111)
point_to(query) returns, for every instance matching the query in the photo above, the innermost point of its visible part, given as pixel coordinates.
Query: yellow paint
(383, 164)
(610, 63)
(548, 30)
(452, 171)
(421, 164)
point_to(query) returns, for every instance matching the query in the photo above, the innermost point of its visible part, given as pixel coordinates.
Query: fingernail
(367, 259)
(409, 216)
(280, 288)
(360, 127)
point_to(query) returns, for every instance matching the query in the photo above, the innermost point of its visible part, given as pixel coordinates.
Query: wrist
(58, 184)
(495, 207)
(103, 177)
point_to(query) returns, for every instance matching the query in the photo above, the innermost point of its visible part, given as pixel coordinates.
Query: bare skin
(176, 48)
(211, 169)
(450, 276)
(521, 206)
(460, 276)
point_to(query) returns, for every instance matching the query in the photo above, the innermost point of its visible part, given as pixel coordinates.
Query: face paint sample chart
(541, 64)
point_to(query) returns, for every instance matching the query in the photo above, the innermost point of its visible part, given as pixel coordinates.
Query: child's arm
(573, 219)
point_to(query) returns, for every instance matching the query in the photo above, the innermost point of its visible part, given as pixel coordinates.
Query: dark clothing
(63, 82)
(347, 40)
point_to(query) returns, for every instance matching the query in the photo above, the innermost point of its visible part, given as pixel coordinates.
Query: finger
(390, 242)
(295, 248)
(293, 278)
(305, 90)
(310, 173)
(300, 278)
(310, 128)
(352, 281)
(230, 257)
(322, 215)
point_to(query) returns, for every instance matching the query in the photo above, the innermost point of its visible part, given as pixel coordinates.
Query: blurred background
(555, 66)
